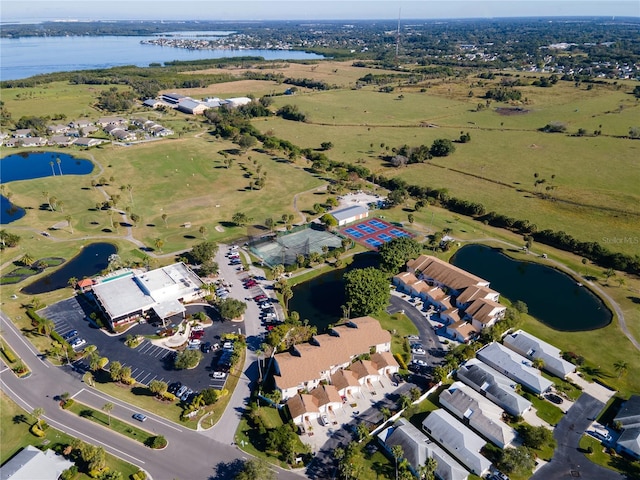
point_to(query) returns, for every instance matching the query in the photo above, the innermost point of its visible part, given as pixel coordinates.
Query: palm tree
(158, 243)
(427, 471)
(259, 353)
(538, 363)
(107, 407)
(59, 162)
(164, 219)
(398, 452)
(203, 232)
(68, 218)
(386, 413)
(47, 197)
(621, 367)
(27, 260)
(278, 270)
(52, 170)
(129, 188)
(37, 414)
(287, 294)
(46, 327)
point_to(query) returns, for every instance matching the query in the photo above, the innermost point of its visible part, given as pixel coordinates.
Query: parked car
(181, 391)
(218, 375)
(194, 344)
(69, 335)
(140, 417)
(324, 420)
(553, 398)
(227, 346)
(197, 334)
(418, 351)
(174, 387)
(78, 342)
(185, 396)
(206, 347)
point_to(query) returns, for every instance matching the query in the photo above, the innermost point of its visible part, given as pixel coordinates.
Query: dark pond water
(553, 297)
(91, 260)
(319, 299)
(30, 165)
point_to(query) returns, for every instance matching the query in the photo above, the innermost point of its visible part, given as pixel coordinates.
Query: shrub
(139, 475)
(156, 442)
(67, 404)
(400, 361)
(35, 430)
(11, 358)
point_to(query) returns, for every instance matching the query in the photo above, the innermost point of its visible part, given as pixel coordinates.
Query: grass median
(114, 424)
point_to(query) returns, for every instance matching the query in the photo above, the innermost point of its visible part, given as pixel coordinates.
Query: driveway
(568, 461)
(434, 350)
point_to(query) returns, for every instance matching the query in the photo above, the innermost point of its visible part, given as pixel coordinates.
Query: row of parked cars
(74, 340)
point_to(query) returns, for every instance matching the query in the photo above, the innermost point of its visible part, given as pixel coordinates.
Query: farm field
(185, 178)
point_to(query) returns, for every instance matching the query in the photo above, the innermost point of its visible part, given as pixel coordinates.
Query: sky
(237, 10)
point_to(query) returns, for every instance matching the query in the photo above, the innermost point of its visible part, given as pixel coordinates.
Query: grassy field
(14, 431)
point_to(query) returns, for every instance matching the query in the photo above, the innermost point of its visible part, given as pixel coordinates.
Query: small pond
(91, 260)
(553, 297)
(319, 299)
(30, 165)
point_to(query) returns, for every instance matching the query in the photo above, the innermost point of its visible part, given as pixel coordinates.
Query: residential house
(346, 383)
(81, 124)
(366, 372)
(479, 413)
(443, 274)
(484, 313)
(303, 408)
(61, 141)
(628, 419)
(384, 363)
(308, 364)
(350, 214)
(514, 366)
(458, 440)
(12, 142)
(87, 142)
(31, 463)
(493, 385)
(533, 348)
(462, 331)
(105, 121)
(417, 448)
(57, 129)
(33, 142)
(22, 133)
(475, 292)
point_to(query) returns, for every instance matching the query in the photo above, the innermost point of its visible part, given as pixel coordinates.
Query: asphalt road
(568, 461)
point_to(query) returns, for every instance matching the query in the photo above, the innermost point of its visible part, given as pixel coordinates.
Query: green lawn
(14, 431)
(101, 418)
(545, 410)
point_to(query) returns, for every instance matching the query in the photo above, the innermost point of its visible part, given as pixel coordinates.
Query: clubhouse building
(161, 292)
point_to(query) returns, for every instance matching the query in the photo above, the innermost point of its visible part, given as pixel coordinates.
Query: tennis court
(374, 232)
(285, 248)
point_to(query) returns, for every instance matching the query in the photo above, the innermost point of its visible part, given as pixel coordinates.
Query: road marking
(145, 377)
(26, 344)
(92, 440)
(17, 398)
(78, 392)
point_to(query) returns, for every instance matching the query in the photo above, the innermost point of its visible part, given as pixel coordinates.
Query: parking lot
(149, 360)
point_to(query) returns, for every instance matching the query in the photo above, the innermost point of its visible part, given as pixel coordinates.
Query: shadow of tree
(226, 470)
(17, 419)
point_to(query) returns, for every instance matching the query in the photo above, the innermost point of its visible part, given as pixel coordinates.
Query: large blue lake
(25, 57)
(30, 165)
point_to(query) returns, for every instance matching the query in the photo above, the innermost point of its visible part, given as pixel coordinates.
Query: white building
(350, 214)
(533, 348)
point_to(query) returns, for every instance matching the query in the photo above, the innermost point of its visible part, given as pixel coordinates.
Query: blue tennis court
(373, 242)
(377, 224)
(353, 232)
(374, 232)
(365, 228)
(398, 233)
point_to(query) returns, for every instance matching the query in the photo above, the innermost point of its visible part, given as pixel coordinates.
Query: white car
(219, 374)
(324, 420)
(420, 363)
(418, 351)
(78, 342)
(227, 346)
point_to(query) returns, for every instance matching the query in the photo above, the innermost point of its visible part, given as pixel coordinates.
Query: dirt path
(303, 217)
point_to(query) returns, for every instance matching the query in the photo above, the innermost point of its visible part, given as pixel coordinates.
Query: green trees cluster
(397, 252)
(203, 254)
(367, 291)
(503, 94)
(116, 100)
(8, 240)
(187, 359)
(231, 308)
(291, 112)
(256, 469)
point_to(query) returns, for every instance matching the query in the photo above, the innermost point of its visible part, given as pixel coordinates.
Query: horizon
(40, 11)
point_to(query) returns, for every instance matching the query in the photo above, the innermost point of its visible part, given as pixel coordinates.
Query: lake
(30, 165)
(552, 296)
(29, 56)
(91, 260)
(319, 299)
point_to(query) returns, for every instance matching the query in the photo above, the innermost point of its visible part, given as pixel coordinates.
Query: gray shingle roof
(514, 366)
(532, 347)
